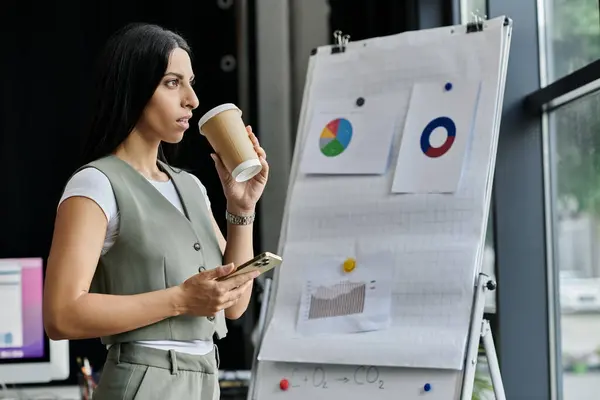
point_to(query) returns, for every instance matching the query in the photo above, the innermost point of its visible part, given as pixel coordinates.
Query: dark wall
(48, 50)
(363, 19)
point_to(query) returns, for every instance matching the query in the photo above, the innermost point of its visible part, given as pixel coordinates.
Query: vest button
(197, 246)
(211, 318)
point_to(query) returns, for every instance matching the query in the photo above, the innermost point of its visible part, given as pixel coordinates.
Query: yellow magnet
(349, 264)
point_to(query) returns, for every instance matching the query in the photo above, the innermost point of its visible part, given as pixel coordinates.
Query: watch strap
(239, 219)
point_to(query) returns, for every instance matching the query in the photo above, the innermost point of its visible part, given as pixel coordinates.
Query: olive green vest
(157, 247)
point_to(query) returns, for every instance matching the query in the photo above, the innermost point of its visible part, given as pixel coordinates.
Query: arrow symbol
(343, 379)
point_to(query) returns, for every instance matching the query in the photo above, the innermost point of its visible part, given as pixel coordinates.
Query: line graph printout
(326, 298)
(359, 303)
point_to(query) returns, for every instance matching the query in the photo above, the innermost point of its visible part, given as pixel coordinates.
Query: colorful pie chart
(335, 137)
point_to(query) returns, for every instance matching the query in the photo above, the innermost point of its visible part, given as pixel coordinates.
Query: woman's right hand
(204, 296)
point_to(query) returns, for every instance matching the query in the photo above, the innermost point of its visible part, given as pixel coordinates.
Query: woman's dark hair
(130, 68)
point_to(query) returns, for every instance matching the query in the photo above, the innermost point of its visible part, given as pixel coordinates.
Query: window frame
(530, 125)
(526, 337)
(565, 90)
(542, 103)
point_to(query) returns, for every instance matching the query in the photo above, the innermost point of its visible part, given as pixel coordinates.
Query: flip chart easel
(277, 377)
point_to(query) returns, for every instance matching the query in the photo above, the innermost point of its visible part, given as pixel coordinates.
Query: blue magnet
(427, 387)
(448, 86)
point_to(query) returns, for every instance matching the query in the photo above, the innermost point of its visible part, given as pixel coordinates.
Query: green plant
(481, 386)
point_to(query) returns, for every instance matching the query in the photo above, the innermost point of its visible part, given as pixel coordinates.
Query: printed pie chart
(335, 137)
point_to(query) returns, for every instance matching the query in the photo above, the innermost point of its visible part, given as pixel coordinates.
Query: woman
(136, 251)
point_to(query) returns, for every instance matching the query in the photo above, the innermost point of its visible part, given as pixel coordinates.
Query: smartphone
(263, 262)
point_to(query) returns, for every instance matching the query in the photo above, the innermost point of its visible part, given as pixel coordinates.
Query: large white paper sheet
(436, 239)
(431, 291)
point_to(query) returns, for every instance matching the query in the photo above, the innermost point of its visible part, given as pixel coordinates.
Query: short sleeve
(93, 184)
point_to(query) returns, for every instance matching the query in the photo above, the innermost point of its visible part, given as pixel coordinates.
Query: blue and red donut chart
(440, 122)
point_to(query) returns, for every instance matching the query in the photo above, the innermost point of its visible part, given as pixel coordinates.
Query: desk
(43, 393)
(234, 386)
(72, 393)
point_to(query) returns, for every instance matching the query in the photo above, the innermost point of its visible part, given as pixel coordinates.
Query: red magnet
(284, 384)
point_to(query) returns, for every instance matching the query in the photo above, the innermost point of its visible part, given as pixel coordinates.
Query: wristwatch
(239, 219)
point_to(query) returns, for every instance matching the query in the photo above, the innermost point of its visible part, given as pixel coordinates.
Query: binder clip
(340, 42)
(476, 25)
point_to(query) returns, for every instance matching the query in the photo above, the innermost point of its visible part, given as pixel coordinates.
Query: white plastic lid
(218, 109)
(246, 170)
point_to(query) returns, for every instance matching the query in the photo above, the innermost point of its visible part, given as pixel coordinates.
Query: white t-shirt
(93, 184)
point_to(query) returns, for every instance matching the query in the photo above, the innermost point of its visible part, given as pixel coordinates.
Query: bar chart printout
(345, 298)
(343, 307)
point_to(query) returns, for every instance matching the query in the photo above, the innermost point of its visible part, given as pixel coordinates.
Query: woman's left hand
(243, 196)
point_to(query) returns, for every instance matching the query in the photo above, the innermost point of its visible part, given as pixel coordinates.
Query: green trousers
(133, 372)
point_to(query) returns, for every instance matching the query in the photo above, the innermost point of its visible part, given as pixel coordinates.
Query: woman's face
(167, 114)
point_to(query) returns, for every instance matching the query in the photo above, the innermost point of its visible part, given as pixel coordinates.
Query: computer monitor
(26, 353)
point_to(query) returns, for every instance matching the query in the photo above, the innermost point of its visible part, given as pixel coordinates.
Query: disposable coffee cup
(226, 132)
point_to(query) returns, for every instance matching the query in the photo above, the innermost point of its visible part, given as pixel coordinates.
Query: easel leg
(480, 330)
(474, 339)
(262, 317)
(492, 360)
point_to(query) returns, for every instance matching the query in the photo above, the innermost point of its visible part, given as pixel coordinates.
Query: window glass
(575, 177)
(572, 30)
